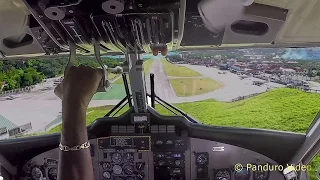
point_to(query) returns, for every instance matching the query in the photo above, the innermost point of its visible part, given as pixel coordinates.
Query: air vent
(122, 129)
(249, 27)
(170, 129)
(162, 129)
(154, 129)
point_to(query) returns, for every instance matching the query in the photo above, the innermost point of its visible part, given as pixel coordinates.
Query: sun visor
(16, 37)
(257, 24)
(241, 23)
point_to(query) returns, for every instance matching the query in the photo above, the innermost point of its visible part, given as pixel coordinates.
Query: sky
(290, 53)
(302, 53)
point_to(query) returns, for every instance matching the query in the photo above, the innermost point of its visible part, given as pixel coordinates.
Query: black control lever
(152, 90)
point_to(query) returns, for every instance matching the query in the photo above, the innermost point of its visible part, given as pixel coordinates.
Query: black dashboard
(159, 156)
(173, 148)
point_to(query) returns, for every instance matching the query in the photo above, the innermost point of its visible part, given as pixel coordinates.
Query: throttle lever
(71, 62)
(104, 83)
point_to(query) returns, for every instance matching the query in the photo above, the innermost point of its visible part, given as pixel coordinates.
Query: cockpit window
(275, 89)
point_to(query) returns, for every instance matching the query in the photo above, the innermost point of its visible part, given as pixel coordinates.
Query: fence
(23, 90)
(305, 89)
(20, 130)
(245, 97)
(17, 91)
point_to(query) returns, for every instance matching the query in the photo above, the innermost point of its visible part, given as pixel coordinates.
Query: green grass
(194, 86)
(116, 91)
(178, 71)
(147, 65)
(120, 80)
(112, 75)
(280, 109)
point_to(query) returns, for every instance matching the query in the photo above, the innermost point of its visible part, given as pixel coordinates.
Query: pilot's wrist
(74, 103)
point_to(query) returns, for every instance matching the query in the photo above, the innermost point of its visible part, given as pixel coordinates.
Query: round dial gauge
(52, 174)
(116, 157)
(261, 175)
(36, 173)
(129, 178)
(106, 175)
(244, 174)
(128, 169)
(117, 169)
(222, 175)
(202, 159)
(128, 157)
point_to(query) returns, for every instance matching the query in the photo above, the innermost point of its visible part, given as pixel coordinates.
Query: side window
(314, 172)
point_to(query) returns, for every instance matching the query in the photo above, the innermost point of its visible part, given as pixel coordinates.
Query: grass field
(194, 86)
(116, 91)
(111, 75)
(178, 71)
(147, 65)
(280, 109)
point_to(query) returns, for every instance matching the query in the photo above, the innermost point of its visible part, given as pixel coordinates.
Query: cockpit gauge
(260, 174)
(202, 158)
(36, 173)
(52, 173)
(117, 178)
(244, 174)
(129, 178)
(128, 169)
(222, 175)
(106, 165)
(106, 175)
(128, 157)
(116, 158)
(117, 170)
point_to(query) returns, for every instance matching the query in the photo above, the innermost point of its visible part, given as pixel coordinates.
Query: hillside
(280, 109)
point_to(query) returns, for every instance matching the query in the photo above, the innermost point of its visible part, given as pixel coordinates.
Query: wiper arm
(160, 101)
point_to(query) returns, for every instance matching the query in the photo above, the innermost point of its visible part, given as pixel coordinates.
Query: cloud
(302, 53)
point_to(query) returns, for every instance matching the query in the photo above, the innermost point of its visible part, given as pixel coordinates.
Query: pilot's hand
(79, 85)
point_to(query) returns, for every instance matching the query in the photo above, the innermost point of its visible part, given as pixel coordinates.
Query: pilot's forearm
(74, 165)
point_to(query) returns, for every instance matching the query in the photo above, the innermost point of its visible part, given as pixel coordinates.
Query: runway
(162, 87)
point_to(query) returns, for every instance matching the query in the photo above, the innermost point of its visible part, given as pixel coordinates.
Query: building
(223, 67)
(287, 71)
(238, 66)
(5, 126)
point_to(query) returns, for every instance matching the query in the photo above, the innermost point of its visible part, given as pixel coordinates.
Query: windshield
(275, 89)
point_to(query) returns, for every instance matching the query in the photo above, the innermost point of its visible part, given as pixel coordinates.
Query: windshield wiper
(154, 98)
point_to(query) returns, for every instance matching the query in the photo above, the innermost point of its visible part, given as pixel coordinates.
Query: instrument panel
(160, 156)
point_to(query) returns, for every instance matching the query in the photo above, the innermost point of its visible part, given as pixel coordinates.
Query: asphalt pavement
(162, 87)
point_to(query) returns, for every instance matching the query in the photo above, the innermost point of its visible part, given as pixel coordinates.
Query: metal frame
(311, 145)
(137, 82)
